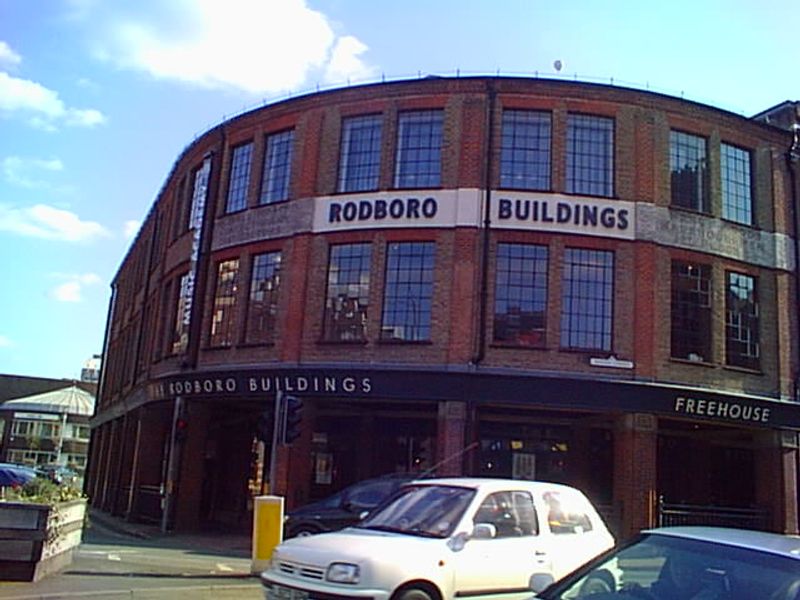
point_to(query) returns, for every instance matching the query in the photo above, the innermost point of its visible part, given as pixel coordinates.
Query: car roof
(493, 484)
(764, 541)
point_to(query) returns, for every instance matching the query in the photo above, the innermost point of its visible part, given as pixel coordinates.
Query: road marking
(224, 567)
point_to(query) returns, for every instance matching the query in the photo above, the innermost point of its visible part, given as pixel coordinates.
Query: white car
(445, 538)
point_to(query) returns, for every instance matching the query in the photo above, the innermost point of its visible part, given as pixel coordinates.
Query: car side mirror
(540, 581)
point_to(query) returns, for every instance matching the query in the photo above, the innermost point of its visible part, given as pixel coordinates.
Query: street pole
(278, 427)
(172, 467)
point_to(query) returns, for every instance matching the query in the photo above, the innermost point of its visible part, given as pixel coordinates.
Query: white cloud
(259, 46)
(345, 62)
(8, 56)
(72, 289)
(5, 342)
(42, 105)
(131, 228)
(26, 172)
(50, 223)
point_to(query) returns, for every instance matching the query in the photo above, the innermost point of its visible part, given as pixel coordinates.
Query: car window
(565, 514)
(511, 512)
(665, 568)
(370, 494)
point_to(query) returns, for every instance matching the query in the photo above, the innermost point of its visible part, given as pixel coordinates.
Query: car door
(501, 566)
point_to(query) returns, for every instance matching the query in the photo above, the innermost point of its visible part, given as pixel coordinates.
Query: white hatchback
(445, 538)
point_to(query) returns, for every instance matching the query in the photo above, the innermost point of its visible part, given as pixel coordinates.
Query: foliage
(43, 491)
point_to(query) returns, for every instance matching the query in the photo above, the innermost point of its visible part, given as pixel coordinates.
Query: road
(109, 564)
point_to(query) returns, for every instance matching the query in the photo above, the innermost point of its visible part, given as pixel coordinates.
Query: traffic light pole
(172, 467)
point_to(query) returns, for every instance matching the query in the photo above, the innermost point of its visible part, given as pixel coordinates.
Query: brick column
(190, 477)
(776, 463)
(635, 444)
(450, 438)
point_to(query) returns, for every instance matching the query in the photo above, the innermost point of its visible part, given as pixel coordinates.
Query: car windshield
(659, 567)
(423, 510)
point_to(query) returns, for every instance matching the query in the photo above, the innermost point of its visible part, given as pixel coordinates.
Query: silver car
(687, 563)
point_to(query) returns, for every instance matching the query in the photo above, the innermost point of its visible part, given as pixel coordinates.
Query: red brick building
(487, 276)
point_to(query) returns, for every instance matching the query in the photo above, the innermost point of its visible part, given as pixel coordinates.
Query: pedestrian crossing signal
(294, 419)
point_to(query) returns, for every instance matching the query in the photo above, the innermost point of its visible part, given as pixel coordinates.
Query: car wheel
(414, 593)
(598, 583)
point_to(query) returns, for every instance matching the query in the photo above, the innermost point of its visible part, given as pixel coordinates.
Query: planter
(38, 539)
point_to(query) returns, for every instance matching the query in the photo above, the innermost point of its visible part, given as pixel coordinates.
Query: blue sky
(98, 98)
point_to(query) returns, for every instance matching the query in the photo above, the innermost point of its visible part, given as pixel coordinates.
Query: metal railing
(717, 516)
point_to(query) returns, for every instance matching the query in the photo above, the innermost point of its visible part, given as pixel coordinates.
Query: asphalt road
(109, 564)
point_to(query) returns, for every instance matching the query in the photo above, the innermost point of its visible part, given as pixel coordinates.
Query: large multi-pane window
(525, 150)
(742, 348)
(737, 192)
(277, 170)
(347, 297)
(691, 311)
(520, 301)
(590, 155)
(587, 299)
(239, 177)
(688, 171)
(408, 292)
(262, 306)
(360, 155)
(223, 316)
(180, 332)
(419, 149)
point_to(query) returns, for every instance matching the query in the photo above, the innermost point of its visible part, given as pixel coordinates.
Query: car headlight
(342, 573)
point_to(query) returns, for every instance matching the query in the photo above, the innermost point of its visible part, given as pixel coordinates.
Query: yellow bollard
(267, 530)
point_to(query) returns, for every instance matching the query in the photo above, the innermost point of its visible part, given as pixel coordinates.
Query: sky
(99, 97)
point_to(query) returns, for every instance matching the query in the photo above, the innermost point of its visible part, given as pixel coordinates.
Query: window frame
(222, 324)
(582, 155)
(345, 314)
(526, 150)
(741, 328)
(738, 203)
(418, 155)
(521, 272)
(582, 328)
(267, 314)
(691, 316)
(360, 152)
(686, 148)
(276, 168)
(412, 284)
(239, 177)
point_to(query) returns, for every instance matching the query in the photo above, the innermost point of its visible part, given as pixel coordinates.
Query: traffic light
(264, 426)
(181, 428)
(294, 418)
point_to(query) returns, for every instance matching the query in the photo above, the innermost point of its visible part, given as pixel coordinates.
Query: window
(691, 311)
(520, 294)
(277, 167)
(50, 430)
(262, 308)
(688, 171)
(360, 156)
(239, 178)
(590, 155)
(223, 316)
(741, 322)
(587, 299)
(419, 149)
(737, 194)
(525, 150)
(512, 513)
(180, 333)
(408, 295)
(347, 297)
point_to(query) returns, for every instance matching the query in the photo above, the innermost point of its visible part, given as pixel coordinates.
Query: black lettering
(622, 219)
(563, 212)
(522, 209)
(364, 210)
(607, 218)
(430, 207)
(590, 215)
(335, 213)
(380, 209)
(504, 209)
(412, 210)
(396, 208)
(350, 211)
(546, 218)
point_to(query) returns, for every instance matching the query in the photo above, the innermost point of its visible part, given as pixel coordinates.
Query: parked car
(343, 508)
(445, 538)
(687, 563)
(59, 474)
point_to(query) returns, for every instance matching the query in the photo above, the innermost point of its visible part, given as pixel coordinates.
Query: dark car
(343, 508)
(686, 563)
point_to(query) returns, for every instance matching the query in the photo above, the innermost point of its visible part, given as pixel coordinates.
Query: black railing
(717, 516)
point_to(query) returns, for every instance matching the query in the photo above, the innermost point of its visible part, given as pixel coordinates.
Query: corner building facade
(483, 276)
